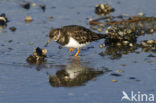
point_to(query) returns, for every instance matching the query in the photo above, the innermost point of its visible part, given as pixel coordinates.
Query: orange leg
(77, 53)
(77, 60)
(71, 49)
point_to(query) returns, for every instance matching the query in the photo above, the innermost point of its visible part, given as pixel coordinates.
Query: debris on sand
(34, 4)
(25, 5)
(38, 56)
(148, 45)
(114, 80)
(122, 33)
(28, 19)
(103, 9)
(13, 29)
(3, 19)
(43, 7)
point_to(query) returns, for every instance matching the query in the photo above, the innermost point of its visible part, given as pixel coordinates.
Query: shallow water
(22, 82)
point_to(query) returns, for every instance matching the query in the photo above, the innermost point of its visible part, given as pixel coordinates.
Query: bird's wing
(81, 34)
(84, 36)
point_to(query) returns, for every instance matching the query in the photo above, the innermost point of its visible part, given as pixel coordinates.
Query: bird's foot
(76, 55)
(71, 49)
(77, 59)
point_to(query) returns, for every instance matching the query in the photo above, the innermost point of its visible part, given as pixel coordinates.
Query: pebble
(123, 65)
(99, 30)
(103, 9)
(125, 42)
(34, 4)
(28, 19)
(44, 51)
(149, 61)
(140, 14)
(13, 29)
(144, 44)
(132, 78)
(119, 71)
(51, 17)
(9, 41)
(31, 43)
(150, 41)
(66, 78)
(151, 30)
(114, 80)
(118, 44)
(25, 5)
(115, 74)
(43, 7)
(151, 55)
(102, 46)
(130, 44)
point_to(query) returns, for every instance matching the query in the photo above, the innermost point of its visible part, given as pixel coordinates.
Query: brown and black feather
(79, 33)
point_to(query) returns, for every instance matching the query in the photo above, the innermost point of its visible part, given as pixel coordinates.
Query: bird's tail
(101, 36)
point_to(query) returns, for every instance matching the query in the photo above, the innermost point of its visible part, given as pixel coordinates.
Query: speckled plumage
(79, 33)
(73, 36)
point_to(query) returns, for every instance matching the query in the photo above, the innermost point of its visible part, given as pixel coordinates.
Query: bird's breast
(75, 44)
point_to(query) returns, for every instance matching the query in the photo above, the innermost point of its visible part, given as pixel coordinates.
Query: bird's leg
(77, 60)
(71, 49)
(77, 52)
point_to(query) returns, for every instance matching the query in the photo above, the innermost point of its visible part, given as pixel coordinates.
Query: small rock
(99, 30)
(141, 14)
(34, 4)
(43, 7)
(13, 29)
(31, 43)
(132, 78)
(25, 5)
(51, 17)
(150, 41)
(149, 61)
(119, 71)
(10, 49)
(3, 20)
(103, 9)
(123, 65)
(144, 44)
(138, 80)
(114, 80)
(151, 30)
(125, 42)
(60, 47)
(115, 74)
(102, 46)
(130, 44)
(118, 44)
(38, 56)
(28, 19)
(9, 41)
(151, 55)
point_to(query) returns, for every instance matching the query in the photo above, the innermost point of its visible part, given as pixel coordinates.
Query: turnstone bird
(3, 19)
(73, 36)
(73, 75)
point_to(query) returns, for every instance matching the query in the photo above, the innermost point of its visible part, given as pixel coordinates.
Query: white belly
(74, 44)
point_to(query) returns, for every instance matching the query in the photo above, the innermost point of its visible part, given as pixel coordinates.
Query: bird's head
(53, 35)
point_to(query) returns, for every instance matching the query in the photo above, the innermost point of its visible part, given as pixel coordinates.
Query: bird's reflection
(74, 74)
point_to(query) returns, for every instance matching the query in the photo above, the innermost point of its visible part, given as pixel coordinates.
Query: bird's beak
(47, 43)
